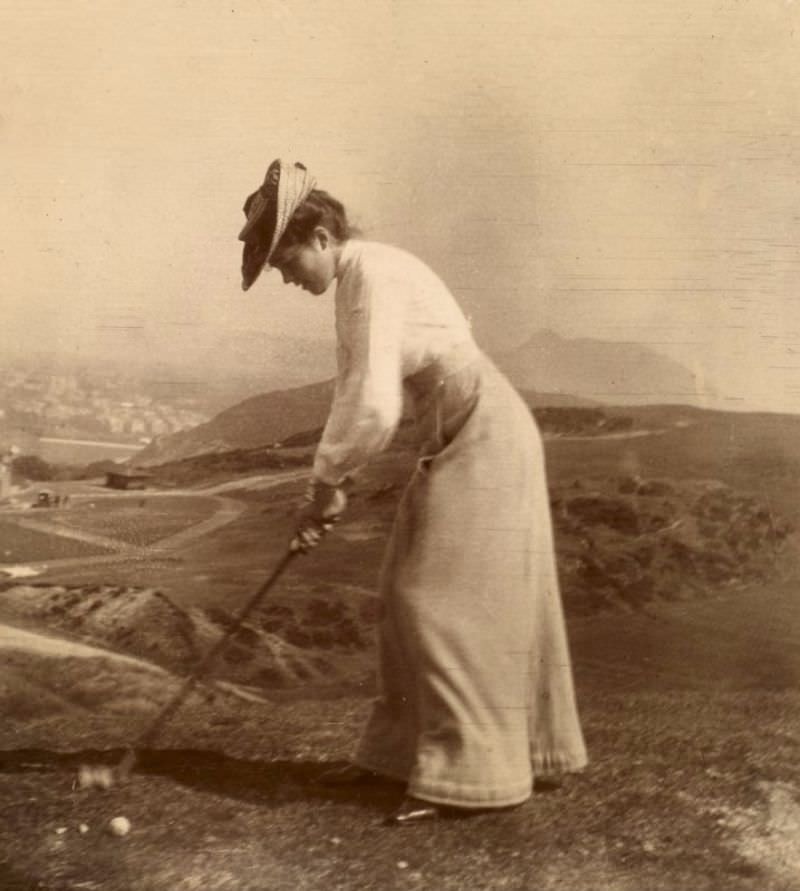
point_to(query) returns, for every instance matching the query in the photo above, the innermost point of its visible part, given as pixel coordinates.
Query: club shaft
(189, 682)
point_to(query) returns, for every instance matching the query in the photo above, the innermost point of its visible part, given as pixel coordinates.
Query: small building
(45, 498)
(127, 478)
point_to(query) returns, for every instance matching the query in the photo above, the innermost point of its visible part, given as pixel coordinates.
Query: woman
(477, 693)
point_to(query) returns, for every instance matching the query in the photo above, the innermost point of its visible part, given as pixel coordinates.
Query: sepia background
(622, 170)
(610, 188)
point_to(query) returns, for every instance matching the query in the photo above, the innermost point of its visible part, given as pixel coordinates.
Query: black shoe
(548, 783)
(413, 810)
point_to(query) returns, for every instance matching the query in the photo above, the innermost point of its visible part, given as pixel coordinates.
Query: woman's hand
(323, 506)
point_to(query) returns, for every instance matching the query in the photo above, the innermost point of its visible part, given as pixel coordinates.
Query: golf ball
(119, 826)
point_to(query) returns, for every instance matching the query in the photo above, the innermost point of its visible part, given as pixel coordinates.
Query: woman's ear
(323, 236)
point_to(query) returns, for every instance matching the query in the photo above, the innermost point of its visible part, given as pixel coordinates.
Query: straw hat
(268, 211)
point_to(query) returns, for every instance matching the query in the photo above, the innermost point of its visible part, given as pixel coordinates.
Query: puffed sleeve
(368, 396)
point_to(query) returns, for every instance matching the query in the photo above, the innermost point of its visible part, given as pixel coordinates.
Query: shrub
(31, 467)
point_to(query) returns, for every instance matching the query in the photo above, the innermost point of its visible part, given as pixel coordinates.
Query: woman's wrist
(325, 499)
(320, 490)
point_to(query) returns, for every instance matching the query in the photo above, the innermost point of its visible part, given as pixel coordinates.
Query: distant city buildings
(5, 480)
(7, 456)
(83, 406)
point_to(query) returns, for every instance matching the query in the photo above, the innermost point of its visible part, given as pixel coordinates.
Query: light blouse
(394, 316)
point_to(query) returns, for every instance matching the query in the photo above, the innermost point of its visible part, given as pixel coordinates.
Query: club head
(92, 776)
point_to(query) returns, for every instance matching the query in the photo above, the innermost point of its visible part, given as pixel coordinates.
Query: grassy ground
(136, 520)
(690, 710)
(18, 545)
(694, 783)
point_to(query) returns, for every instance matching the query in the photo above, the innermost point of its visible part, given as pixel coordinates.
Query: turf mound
(625, 541)
(36, 686)
(143, 622)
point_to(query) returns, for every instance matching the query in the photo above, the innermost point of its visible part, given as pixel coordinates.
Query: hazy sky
(624, 170)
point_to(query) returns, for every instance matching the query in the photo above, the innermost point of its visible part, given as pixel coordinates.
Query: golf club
(105, 776)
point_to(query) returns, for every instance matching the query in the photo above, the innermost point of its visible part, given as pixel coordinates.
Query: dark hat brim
(255, 256)
(284, 188)
(257, 233)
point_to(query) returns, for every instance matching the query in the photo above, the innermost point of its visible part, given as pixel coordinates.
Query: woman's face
(311, 265)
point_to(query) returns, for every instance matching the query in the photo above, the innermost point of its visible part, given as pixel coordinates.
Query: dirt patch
(766, 835)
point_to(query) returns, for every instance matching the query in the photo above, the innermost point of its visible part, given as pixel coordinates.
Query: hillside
(258, 421)
(615, 372)
(675, 555)
(541, 399)
(293, 417)
(549, 371)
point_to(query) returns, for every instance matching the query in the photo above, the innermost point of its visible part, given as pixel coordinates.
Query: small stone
(61, 830)
(83, 829)
(402, 864)
(336, 840)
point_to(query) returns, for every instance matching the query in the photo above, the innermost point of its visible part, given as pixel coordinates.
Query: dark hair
(319, 209)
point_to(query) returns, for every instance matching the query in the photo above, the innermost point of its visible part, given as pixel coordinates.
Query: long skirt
(476, 684)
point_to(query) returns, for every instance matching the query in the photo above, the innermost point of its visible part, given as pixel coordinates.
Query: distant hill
(550, 371)
(259, 420)
(293, 418)
(606, 371)
(536, 399)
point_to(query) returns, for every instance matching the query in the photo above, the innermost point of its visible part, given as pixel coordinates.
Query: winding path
(228, 510)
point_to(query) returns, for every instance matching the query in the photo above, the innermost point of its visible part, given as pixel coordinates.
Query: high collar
(347, 256)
